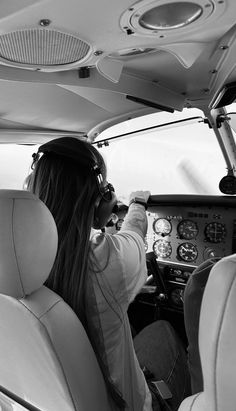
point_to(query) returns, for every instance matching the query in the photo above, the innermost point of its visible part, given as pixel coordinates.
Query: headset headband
(68, 147)
(58, 147)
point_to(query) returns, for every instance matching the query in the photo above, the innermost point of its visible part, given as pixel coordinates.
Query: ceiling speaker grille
(40, 47)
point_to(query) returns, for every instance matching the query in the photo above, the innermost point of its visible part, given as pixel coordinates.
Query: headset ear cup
(103, 211)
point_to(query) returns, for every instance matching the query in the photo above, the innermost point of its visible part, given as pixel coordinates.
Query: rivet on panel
(44, 22)
(98, 53)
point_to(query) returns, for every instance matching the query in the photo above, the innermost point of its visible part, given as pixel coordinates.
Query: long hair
(69, 190)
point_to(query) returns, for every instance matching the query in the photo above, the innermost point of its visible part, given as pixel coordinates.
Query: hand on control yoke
(139, 197)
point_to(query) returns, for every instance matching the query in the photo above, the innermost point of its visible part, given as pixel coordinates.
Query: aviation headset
(68, 147)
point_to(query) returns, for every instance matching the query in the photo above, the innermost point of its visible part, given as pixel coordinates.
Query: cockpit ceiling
(54, 107)
(71, 65)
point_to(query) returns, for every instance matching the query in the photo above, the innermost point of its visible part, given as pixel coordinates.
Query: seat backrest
(45, 355)
(217, 341)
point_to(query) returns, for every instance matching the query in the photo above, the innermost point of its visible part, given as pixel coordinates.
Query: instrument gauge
(215, 232)
(187, 229)
(162, 226)
(187, 252)
(210, 252)
(162, 248)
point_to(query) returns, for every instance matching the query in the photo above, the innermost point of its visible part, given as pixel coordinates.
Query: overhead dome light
(170, 16)
(166, 18)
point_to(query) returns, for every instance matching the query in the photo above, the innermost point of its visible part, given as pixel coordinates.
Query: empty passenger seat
(45, 355)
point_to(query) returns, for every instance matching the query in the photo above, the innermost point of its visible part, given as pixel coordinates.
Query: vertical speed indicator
(187, 252)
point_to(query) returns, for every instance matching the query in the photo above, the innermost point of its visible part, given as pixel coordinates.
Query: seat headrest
(217, 335)
(28, 243)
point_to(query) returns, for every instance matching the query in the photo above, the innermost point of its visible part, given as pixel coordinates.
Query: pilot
(99, 274)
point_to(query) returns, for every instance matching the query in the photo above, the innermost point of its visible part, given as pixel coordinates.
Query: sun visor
(226, 96)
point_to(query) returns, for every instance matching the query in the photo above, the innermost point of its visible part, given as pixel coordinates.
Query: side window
(15, 162)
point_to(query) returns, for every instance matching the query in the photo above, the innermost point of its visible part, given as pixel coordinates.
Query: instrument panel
(183, 232)
(187, 235)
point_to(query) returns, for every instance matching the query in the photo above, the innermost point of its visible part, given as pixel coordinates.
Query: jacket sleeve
(131, 238)
(122, 259)
(133, 263)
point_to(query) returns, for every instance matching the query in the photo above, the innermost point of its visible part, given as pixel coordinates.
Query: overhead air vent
(41, 48)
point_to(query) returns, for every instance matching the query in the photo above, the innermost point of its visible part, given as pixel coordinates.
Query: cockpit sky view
(179, 159)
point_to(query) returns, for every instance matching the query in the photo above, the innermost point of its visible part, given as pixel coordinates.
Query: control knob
(162, 297)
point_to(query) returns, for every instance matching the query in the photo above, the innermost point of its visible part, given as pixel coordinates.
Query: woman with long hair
(99, 274)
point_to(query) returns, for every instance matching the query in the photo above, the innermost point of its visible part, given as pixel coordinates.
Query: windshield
(183, 159)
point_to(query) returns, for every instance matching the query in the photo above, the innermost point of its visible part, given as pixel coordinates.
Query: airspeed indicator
(162, 226)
